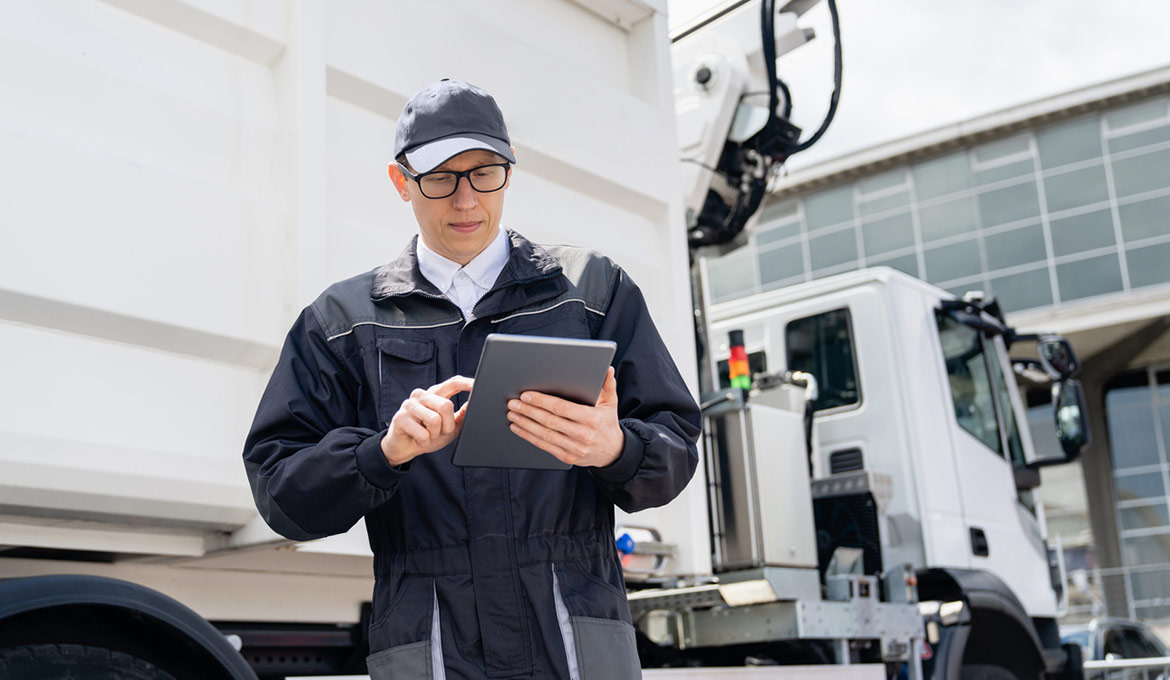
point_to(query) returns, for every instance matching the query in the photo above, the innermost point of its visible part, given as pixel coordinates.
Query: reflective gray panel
(1141, 485)
(1130, 395)
(1083, 232)
(1023, 291)
(1152, 585)
(1144, 517)
(731, 277)
(960, 290)
(1131, 437)
(1078, 140)
(1000, 148)
(781, 263)
(771, 233)
(941, 176)
(1137, 114)
(1086, 278)
(1140, 139)
(1015, 247)
(947, 219)
(1147, 550)
(881, 181)
(1145, 219)
(406, 662)
(832, 249)
(606, 650)
(1010, 204)
(1003, 172)
(890, 233)
(953, 261)
(877, 205)
(829, 207)
(1152, 613)
(903, 263)
(779, 210)
(1142, 173)
(1076, 188)
(1148, 266)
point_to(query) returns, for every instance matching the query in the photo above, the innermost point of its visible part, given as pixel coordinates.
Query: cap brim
(430, 156)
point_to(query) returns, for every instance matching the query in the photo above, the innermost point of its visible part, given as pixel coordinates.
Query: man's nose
(464, 197)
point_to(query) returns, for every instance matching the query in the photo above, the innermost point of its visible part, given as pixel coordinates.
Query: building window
(1137, 409)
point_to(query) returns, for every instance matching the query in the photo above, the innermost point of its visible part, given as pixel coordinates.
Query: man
(480, 572)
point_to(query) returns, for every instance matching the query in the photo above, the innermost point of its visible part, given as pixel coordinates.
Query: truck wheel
(74, 662)
(985, 672)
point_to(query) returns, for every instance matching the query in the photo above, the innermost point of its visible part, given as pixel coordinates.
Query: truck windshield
(978, 387)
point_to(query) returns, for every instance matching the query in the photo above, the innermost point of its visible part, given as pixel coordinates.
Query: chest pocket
(567, 319)
(403, 366)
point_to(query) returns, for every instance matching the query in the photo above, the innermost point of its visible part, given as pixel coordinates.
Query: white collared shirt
(464, 285)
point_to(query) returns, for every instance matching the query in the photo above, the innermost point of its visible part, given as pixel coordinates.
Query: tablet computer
(569, 368)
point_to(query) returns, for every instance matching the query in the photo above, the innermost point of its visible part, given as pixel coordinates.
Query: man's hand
(426, 422)
(587, 436)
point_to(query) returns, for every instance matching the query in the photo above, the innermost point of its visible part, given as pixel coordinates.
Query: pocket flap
(416, 351)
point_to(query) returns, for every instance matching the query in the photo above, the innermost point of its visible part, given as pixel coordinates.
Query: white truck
(185, 175)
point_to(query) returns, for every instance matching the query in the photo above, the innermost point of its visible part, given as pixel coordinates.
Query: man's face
(460, 226)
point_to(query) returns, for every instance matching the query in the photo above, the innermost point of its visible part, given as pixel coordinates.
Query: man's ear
(399, 180)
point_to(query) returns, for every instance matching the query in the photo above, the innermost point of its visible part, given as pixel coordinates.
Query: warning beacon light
(737, 365)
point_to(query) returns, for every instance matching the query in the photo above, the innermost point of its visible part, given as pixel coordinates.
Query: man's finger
(557, 406)
(452, 386)
(554, 437)
(407, 427)
(443, 407)
(608, 396)
(546, 418)
(542, 444)
(432, 421)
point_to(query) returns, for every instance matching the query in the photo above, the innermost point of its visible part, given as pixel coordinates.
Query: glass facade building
(1064, 210)
(1045, 216)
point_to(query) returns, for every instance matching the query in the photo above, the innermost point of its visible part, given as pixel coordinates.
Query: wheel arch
(116, 615)
(1000, 628)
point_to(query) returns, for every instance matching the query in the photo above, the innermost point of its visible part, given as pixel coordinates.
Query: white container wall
(182, 176)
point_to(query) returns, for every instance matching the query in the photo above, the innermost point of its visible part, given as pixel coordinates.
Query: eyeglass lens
(483, 179)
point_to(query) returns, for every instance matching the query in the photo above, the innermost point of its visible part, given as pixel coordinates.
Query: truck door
(1003, 533)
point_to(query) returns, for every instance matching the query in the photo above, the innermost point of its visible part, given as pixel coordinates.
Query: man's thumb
(608, 395)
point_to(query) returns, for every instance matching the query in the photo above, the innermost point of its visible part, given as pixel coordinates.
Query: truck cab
(921, 453)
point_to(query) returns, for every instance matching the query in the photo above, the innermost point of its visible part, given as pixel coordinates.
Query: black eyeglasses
(442, 183)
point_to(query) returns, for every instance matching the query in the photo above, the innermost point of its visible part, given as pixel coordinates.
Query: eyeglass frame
(458, 176)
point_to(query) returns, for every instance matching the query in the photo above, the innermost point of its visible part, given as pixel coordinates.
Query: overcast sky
(912, 65)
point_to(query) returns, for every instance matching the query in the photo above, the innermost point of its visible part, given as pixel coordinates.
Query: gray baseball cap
(445, 119)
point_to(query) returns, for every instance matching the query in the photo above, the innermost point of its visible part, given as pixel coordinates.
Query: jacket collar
(527, 261)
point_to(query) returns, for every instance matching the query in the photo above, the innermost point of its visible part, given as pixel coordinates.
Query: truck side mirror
(1072, 418)
(1057, 357)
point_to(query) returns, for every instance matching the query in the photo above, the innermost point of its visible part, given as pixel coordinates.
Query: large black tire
(985, 672)
(74, 662)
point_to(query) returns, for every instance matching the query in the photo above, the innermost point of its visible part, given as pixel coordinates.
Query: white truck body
(183, 176)
(944, 480)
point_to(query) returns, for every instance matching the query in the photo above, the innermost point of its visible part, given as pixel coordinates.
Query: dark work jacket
(480, 572)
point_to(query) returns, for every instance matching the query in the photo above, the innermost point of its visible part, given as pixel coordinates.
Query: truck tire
(985, 672)
(74, 662)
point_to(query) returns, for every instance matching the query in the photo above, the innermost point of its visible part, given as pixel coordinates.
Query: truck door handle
(979, 543)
